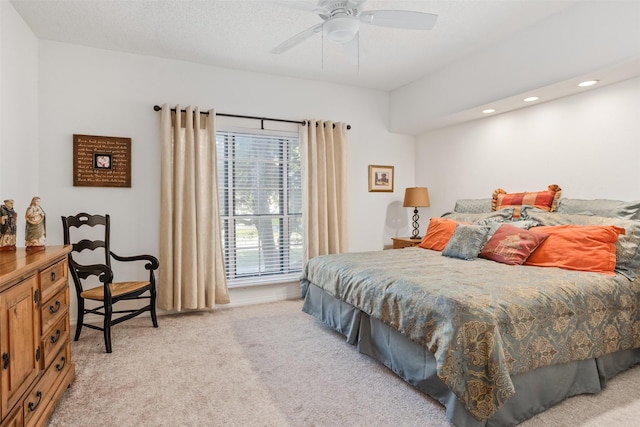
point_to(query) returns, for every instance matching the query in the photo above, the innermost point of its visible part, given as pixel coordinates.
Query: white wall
(18, 112)
(588, 144)
(97, 92)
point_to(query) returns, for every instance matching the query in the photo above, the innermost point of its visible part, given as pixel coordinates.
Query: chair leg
(154, 317)
(108, 311)
(80, 318)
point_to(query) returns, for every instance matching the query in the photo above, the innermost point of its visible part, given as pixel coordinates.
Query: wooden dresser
(35, 363)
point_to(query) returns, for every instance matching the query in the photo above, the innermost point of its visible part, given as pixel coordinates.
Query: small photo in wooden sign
(101, 161)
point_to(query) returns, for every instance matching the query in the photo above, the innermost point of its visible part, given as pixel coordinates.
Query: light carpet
(269, 365)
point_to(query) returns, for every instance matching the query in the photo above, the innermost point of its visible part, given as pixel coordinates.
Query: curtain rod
(262, 119)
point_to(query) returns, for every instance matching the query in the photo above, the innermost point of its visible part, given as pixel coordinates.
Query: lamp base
(416, 227)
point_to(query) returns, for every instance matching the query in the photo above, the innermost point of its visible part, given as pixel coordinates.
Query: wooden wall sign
(101, 161)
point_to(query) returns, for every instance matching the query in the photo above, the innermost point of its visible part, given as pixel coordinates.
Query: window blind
(260, 192)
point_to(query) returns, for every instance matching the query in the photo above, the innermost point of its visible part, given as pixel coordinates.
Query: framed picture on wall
(101, 161)
(380, 178)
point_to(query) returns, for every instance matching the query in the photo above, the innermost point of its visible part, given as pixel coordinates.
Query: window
(260, 189)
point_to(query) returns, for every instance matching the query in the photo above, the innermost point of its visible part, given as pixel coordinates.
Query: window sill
(262, 281)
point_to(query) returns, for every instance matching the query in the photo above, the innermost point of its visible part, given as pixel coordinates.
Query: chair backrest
(87, 232)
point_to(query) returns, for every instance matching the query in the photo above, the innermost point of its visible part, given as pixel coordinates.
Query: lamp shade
(416, 197)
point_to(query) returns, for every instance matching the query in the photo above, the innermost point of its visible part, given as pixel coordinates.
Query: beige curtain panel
(324, 148)
(192, 272)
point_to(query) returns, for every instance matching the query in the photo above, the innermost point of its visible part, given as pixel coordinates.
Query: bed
(494, 343)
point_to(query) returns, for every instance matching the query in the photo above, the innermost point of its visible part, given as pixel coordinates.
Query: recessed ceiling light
(588, 83)
(531, 99)
(489, 111)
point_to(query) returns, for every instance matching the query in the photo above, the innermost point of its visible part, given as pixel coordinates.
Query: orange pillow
(438, 234)
(511, 245)
(577, 247)
(545, 200)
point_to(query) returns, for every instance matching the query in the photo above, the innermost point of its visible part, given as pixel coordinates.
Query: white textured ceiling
(240, 33)
(480, 54)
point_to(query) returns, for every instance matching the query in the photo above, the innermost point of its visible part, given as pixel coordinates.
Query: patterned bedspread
(485, 321)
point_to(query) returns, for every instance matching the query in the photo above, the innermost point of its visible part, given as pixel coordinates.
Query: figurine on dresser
(8, 218)
(36, 227)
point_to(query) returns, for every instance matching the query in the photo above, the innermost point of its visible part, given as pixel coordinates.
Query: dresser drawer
(52, 278)
(54, 340)
(38, 400)
(53, 310)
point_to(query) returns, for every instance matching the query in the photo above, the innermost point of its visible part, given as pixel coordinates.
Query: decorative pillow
(473, 206)
(578, 247)
(438, 234)
(521, 224)
(545, 200)
(627, 246)
(511, 245)
(601, 207)
(481, 218)
(466, 242)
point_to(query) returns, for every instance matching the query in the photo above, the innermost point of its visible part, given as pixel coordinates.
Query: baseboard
(261, 294)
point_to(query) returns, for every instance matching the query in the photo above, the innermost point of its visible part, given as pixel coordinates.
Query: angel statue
(36, 227)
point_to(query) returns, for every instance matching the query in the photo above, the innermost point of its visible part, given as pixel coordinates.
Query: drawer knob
(54, 308)
(34, 406)
(56, 337)
(60, 366)
(5, 360)
(53, 276)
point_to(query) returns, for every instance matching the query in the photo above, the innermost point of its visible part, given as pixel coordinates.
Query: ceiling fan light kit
(341, 29)
(342, 22)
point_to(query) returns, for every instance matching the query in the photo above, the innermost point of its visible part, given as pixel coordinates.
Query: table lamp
(416, 197)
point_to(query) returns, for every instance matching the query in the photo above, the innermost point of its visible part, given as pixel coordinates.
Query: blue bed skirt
(536, 391)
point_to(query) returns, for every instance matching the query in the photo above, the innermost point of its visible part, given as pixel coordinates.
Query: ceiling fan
(341, 22)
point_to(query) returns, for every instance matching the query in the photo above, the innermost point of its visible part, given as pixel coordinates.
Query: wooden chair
(107, 291)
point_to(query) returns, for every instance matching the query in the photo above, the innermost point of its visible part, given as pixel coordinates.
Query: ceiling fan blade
(406, 19)
(298, 38)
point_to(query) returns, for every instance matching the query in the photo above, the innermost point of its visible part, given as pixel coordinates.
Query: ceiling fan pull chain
(358, 42)
(322, 53)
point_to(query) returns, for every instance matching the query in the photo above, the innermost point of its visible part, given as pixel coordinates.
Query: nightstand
(404, 242)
